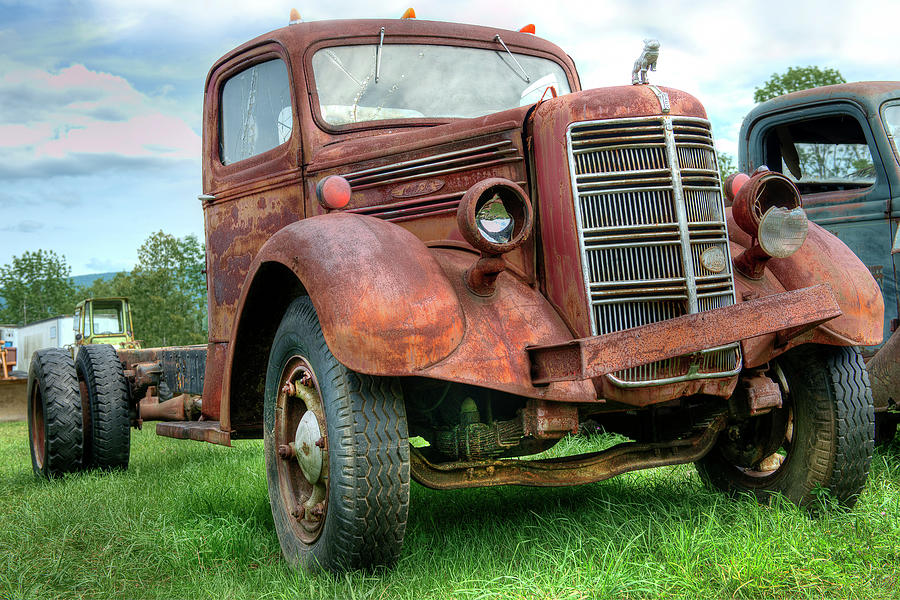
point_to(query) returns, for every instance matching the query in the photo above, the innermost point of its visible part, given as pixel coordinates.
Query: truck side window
(892, 125)
(822, 155)
(255, 111)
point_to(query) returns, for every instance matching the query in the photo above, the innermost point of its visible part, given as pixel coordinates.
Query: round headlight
(495, 216)
(766, 189)
(782, 231)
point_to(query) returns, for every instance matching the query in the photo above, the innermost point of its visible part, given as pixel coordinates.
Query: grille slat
(631, 238)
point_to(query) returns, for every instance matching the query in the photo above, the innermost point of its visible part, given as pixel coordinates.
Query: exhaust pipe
(180, 408)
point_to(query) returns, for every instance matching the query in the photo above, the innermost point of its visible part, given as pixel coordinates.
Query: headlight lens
(494, 221)
(782, 231)
(495, 216)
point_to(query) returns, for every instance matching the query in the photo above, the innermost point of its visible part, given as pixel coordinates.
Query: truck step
(201, 431)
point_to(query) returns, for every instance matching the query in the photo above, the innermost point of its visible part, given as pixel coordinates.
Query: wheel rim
(772, 464)
(770, 467)
(38, 439)
(299, 417)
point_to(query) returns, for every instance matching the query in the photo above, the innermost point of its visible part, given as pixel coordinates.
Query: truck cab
(431, 255)
(104, 321)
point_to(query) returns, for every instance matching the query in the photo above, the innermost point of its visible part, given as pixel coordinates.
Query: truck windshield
(107, 318)
(425, 81)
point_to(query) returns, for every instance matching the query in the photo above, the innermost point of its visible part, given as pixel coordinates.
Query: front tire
(345, 504)
(825, 431)
(55, 430)
(104, 394)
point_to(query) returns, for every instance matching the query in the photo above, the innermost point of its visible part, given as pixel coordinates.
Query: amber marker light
(409, 14)
(333, 192)
(528, 29)
(295, 17)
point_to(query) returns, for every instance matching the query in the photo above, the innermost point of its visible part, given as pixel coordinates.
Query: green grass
(192, 520)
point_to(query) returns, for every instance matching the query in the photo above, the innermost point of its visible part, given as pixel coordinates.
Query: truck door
(831, 153)
(251, 174)
(890, 117)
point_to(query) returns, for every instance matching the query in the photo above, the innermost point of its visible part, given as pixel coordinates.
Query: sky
(101, 100)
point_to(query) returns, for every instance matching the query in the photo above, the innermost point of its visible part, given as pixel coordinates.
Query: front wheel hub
(301, 448)
(308, 453)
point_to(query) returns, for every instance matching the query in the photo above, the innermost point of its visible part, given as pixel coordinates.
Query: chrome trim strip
(437, 158)
(663, 98)
(681, 211)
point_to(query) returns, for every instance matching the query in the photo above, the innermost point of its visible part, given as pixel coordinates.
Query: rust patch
(600, 355)
(417, 188)
(570, 470)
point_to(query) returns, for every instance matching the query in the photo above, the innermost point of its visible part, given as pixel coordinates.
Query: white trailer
(46, 333)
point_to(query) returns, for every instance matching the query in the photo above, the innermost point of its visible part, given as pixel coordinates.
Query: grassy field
(191, 520)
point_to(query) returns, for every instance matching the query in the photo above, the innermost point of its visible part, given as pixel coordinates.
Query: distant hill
(86, 280)
(82, 281)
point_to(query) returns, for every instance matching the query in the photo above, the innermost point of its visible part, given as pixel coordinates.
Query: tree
(726, 167)
(35, 286)
(796, 79)
(816, 161)
(167, 291)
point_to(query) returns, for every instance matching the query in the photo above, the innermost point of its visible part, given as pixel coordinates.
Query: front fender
(384, 303)
(823, 258)
(390, 306)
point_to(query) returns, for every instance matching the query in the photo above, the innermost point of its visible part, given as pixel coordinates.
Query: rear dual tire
(105, 394)
(55, 429)
(77, 411)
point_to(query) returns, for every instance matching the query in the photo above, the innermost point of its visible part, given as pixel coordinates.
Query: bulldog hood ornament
(645, 62)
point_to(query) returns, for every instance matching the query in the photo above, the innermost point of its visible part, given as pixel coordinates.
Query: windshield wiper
(378, 55)
(499, 39)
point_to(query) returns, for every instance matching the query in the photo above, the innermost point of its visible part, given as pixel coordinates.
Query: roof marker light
(295, 17)
(528, 29)
(409, 14)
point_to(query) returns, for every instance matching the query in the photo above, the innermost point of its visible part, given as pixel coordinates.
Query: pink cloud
(88, 112)
(153, 134)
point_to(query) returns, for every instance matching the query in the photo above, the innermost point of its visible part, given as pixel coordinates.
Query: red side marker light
(333, 192)
(737, 182)
(528, 29)
(409, 14)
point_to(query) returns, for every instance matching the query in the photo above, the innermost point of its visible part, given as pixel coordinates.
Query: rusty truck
(840, 145)
(429, 231)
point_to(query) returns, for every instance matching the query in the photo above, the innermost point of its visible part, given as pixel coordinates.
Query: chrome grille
(648, 206)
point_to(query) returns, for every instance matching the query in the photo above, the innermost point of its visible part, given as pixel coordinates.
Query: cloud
(105, 265)
(72, 164)
(78, 121)
(24, 227)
